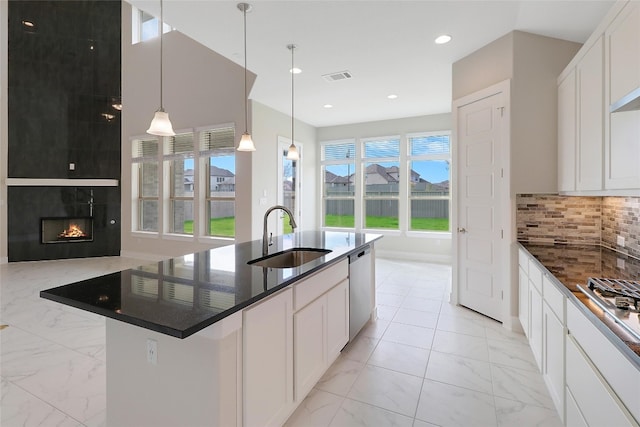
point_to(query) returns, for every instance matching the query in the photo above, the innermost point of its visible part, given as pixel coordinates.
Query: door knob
(462, 230)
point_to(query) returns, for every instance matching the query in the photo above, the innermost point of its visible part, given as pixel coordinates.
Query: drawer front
(554, 298)
(314, 286)
(620, 374)
(535, 275)
(523, 260)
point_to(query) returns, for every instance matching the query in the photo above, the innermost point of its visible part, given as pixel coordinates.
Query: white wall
(201, 88)
(435, 247)
(269, 124)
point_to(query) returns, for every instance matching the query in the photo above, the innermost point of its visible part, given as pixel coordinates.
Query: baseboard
(414, 256)
(4, 260)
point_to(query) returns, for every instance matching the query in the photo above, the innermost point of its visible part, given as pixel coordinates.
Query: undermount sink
(289, 258)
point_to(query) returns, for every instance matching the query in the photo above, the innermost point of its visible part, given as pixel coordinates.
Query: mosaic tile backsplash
(547, 218)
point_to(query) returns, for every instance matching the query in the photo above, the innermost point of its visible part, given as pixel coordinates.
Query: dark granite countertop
(572, 265)
(183, 295)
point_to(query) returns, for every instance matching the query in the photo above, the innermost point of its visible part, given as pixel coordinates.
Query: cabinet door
(623, 52)
(268, 361)
(337, 320)
(523, 300)
(590, 119)
(574, 417)
(553, 356)
(310, 349)
(567, 133)
(536, 325)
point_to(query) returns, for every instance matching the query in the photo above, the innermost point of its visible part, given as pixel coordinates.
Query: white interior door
(479, 232)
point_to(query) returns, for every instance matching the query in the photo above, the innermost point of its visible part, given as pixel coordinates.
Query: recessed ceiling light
(328, 106)
(392, 96)
(445, 38)
(295, 70)
(28, 24)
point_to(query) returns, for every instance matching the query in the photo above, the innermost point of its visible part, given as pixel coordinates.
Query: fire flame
(73, 231)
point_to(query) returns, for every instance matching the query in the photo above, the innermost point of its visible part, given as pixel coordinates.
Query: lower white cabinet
(553, 333)
(337, 320)
(268, 361)
(536, 326)
(593, 400)
(523, 300)
(573, 416)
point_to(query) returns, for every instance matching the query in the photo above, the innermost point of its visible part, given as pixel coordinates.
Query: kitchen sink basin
(289, 258)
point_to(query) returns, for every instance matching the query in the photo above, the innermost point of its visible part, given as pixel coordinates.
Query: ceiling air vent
(334, 77)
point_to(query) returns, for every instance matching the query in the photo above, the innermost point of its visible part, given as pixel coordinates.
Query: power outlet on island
(620, 241)
(152, 351)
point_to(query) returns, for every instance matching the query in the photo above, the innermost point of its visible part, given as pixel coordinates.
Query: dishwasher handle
(354, 257)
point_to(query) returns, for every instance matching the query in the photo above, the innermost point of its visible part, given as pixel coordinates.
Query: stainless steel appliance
(618, 299)
(360, 290)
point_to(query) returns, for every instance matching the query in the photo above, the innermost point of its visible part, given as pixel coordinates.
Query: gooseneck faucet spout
(265, 238)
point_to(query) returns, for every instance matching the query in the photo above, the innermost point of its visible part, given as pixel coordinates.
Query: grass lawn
(224, 227)
(417, 224)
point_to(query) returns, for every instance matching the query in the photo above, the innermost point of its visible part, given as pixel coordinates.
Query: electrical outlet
(620, 263)
(620, 241)
(152, 351)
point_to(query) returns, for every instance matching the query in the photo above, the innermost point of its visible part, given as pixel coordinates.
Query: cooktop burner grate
(626, 288)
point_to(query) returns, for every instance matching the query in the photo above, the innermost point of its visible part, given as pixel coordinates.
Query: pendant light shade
(292, 152)
(161, 125)
(246, 143)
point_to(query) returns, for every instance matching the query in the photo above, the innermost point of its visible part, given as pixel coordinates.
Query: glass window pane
(221, 215)
(429, 215)
(182, 217)
(429, 178)
(144, 148)
(222, 180)
(339, 213)
(183, 177)
(288, 182)
(342, 151)
(382, 179)
(382, 148)
(339, 180)
(148, 215)
(381, 214)
(148, 179)
(425, 145)
(148, 26)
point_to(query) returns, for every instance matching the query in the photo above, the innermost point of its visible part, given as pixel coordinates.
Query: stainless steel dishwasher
(360, 289)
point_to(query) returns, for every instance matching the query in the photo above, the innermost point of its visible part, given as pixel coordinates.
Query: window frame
(324, 197)
(137, 163)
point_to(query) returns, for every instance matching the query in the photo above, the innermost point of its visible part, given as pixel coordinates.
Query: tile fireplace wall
(64, 124)
(547, 218)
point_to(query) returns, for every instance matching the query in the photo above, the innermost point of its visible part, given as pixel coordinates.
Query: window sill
(146, 234)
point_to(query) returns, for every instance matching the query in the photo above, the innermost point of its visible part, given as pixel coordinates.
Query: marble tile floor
(423, 362)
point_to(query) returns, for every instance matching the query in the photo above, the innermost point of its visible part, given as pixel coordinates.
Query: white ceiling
(386, 45)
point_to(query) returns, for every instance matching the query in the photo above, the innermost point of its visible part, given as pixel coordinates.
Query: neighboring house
(221, 179)
(376, 174)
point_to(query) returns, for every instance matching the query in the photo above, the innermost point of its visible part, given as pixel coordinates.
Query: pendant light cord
(246, 107)
(292, 97)
(161, 31)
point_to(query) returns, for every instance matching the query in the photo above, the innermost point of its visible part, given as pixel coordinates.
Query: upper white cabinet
(622, 141)
(623, 47)
(567, 105)
(590, 79)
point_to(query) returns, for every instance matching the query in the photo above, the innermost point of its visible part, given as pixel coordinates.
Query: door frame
(283, 144)
(506, 206)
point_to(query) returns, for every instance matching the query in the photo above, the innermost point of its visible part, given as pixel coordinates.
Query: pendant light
(246, 143)
(161, 125)
(292, 153)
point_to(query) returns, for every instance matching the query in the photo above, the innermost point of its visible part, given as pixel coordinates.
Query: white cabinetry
(567, 133)
(523, 294)
(553, 333)
(268, 361)
(590, 81)
(321, 324)
(622, 142)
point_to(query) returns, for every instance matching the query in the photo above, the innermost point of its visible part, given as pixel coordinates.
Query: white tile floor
(424, 362)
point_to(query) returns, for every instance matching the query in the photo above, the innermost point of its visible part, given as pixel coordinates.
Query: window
(145, 174)
(146, 26)
(218, 151)
(338, 172)
(429, 198)
(395, 184)
(180, 159)
(381, 169)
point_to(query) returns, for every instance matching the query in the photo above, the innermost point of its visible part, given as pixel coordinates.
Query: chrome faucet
(267, 240)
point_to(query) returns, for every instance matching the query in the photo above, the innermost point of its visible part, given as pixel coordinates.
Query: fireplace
(67, 230)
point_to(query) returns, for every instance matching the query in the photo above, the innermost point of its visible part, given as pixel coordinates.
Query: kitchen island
(213, 339)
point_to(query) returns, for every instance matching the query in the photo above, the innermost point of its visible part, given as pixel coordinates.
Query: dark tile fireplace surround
(64, 129)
